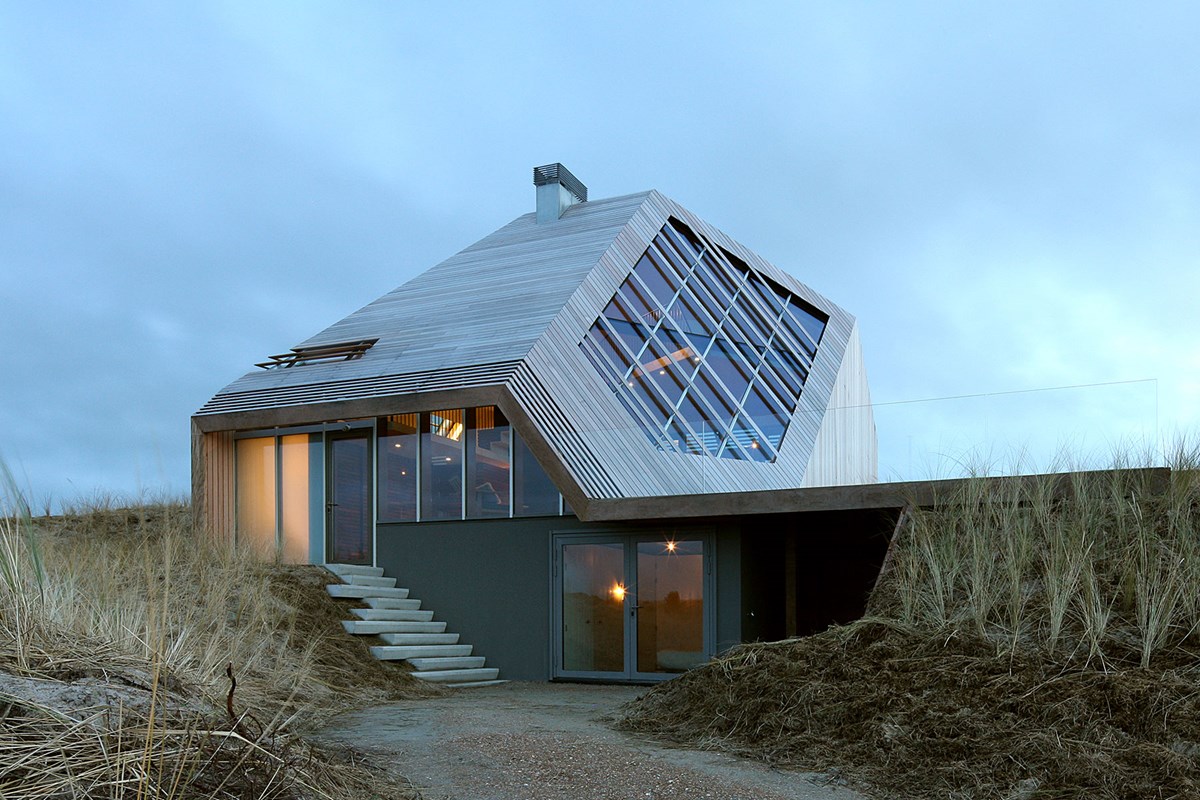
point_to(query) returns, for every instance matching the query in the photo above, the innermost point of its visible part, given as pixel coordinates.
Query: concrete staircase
(410, 633)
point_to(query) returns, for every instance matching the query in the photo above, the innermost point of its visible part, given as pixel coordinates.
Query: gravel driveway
(549, 741)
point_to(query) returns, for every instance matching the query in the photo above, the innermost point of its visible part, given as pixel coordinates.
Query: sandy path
(541, 741)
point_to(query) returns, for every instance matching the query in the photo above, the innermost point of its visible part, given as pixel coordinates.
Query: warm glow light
(670, 546)
(754, 445)
(617, 591)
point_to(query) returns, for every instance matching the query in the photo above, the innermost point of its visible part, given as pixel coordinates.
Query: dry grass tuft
(1026, 642)
(955, 716)
(117, 626)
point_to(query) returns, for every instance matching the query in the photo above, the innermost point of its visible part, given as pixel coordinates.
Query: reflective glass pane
(784, 371)
(678, 252)
(766, 413)
(670, 605)
(730, 368)
(618, 309)
(608, 346)
(684, 440)
(728, 280)
(683, 239)
(534, 494)
(753, 446)
(442, 464)
(769, 380)
(593, 607)
(349, 495)
(398, 438)
(741, 326)
(723, 407)
(771, 301)
(632, 336)
(687, 314)
(680, 351)
(489, 463)
(642, 306)
(652, 400)
(659, 276)
(807, 319)
(716, 295)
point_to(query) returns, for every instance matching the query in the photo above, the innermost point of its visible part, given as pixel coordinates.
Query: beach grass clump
(1092, 566)
(140, 658)
(1031, 637)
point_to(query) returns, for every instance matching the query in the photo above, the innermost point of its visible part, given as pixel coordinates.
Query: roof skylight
(300, 356)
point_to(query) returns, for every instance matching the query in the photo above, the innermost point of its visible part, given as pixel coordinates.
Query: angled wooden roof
(504, 319)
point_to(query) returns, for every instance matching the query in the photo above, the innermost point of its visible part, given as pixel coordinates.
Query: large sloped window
(706, 354)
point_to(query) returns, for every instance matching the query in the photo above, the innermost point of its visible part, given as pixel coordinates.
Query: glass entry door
(630, 607)
(348, 512)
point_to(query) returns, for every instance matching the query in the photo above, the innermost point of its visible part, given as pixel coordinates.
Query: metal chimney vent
(557, 173)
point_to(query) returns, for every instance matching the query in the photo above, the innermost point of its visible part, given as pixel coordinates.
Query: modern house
(592, 439)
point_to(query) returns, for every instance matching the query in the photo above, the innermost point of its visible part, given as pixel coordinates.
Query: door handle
(330, 506)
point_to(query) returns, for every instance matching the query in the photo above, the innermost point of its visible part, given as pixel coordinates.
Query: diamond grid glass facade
(707, 355)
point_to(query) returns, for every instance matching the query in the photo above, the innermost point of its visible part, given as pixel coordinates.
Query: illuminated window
(708, 355)
(397, 459)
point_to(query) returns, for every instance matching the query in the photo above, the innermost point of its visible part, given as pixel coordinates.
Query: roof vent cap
(557, 190)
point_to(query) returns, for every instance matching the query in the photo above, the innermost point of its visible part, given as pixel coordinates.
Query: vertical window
(442, 467)
(280, 496)
(489, 463)
(398, 441)
(300, 523)
(534, 494)
(256, 495)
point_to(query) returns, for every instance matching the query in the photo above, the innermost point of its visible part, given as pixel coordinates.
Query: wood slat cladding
(213, 487)
(845, 450)
(636, 466)
(506, 315)
(359, 388)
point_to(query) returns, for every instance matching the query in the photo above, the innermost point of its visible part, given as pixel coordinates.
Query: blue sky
(1006, 195)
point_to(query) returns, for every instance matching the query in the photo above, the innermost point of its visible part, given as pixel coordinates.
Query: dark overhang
(850, 498)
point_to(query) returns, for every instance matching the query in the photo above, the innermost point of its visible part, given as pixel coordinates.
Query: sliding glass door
(631, 607)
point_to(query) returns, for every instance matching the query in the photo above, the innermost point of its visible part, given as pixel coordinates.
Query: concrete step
(458, 675)
(473, 684)
(354, 569)
(409, 604)
(409, 639)
(392, 614)
(369, 580)
(447, 662)
(362, 592)
(402, 652)
(365, 628)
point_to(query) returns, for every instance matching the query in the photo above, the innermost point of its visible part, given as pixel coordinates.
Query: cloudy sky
(1007, 196)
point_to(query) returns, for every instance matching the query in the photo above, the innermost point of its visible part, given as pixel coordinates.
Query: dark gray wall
(490, 580)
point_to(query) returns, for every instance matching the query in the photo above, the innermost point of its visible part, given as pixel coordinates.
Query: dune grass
(1092, 566)
(1030, 638)
(122, 631)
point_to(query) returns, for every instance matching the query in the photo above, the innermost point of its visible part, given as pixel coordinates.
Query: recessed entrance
(631, 607)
